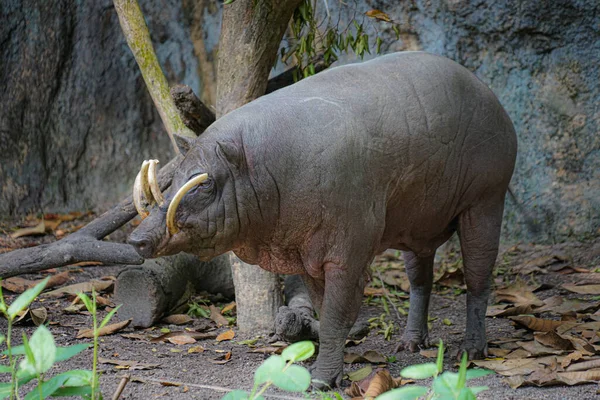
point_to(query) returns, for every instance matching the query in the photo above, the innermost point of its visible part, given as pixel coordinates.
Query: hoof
(473, 353)
(413, 344)
(325, 380)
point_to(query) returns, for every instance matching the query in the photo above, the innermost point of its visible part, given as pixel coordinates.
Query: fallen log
(163, 286)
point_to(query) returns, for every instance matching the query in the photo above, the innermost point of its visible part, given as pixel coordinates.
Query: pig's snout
(142, 244)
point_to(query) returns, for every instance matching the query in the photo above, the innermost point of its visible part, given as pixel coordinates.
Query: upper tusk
(144, 183)
(172, 228)
(153, 183)
(138, 201)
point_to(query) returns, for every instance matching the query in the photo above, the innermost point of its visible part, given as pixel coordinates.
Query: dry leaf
(107, 330)
(554, 340)
(583, 289)
(518, 366)
(229, 307)
(125, 364)
(380, 383)
(394, 277)
(17, 284)
(371, 291)
(39, 229)
(585, 365)
(510, 311)
(38, 315)
(519, 294)
(181, 339)
(223, 359)
(196, 349)
(494, 352)
(228, 335)
(193, 334)
(368, 356)
(167, 383)
(267, 350)
(560, 305)
(537, 349)
(215, 315)
(429, 353)
(378, 14)
(86, 287)
(360, 374)
(537, 324)
(177, 319)
(136, 336)
(536, 264)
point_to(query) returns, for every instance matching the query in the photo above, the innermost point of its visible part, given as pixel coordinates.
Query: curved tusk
(172, 228)
(153, 183)
(138, 193)
(144, 183)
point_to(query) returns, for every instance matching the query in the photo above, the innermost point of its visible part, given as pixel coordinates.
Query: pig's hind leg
(420, 275)
(479, 234)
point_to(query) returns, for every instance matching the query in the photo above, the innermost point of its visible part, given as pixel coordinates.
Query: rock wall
(76, 120)
(75, 111)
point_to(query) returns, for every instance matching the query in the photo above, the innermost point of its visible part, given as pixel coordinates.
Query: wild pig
(319, 177)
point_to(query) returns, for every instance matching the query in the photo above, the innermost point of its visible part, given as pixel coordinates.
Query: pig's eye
(207, 184)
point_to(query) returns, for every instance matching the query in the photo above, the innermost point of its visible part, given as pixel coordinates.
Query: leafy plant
(37, 355)
(309, 37)
(91, 306)
(281, 372)
(445, 386)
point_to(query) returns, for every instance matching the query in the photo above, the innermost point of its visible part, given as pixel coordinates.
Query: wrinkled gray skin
(319, 177)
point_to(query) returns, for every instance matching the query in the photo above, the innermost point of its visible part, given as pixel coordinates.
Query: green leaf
(360, 374)
(441, 387)
(299, 351)
(294, 379)
(236, 395)
(5, 389)
(268, 369)
(78, 377)
(462, 372)
(5, 369)
(64, 353)
(226, 2)
(48, 388)
(404, 393)
(2, 338)
(109, 316)
(479, 389)
(81, 391)
(466, 394)
(43, 351)
(477, 373)
(89, 304)
(26, 298)
(420, 371)
(440, 357)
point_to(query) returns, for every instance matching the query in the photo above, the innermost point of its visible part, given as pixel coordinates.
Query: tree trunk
(250, 36)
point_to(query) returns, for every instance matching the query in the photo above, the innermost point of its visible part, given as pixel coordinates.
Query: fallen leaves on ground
(39, 229)
(178, 319)
(368, 356)
(376, 383)
(227, 335)
(17, 284)
(107, 330)
(556, 349)
(127, 364)
(215, 315)
(222, 359)
(86, 287)
(193, 334)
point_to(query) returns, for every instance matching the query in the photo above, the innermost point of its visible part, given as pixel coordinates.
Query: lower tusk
(172, 228)
(138, 194)
(153, 183)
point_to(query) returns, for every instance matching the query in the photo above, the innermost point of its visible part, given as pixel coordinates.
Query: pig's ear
(231, 152)
(184, 143)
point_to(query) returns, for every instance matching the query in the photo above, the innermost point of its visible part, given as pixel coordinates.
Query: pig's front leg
(420, 275)
(342, 299)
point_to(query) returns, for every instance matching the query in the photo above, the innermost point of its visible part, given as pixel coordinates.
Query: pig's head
(198, 213)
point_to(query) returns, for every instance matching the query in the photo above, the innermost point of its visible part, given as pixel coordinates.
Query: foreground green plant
(445, 386)
(91, 306)
(281, 372)
(37, 356)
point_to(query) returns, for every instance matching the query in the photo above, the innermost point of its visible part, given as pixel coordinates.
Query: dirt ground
(181, 375)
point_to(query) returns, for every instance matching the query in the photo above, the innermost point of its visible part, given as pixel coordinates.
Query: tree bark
(250, 36)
